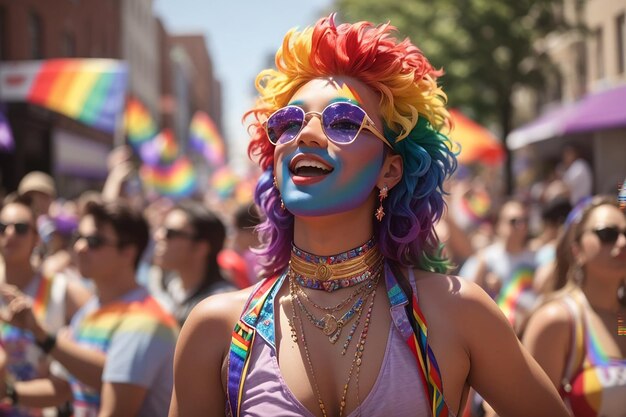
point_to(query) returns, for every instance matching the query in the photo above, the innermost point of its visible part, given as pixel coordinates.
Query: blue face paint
(347, 187)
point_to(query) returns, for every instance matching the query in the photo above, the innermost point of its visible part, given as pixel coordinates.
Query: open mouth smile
(309, 166)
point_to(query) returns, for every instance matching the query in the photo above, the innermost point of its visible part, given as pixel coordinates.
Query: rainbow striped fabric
(138, 123)
(136, 316)
(176, 180)
(24, 357)
(206, 139)
(91, 91)
(517, 295)
(429, 370)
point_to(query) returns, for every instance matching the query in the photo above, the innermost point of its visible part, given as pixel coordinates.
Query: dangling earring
(621, 294)
(578, 275)
(382, 194)
(282, 203)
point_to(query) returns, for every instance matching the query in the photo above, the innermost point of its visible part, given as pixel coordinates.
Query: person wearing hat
(39, 188)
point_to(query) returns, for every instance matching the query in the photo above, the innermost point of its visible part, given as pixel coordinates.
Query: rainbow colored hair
(413, 109)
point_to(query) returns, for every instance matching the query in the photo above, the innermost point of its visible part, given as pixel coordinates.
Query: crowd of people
(356, 283)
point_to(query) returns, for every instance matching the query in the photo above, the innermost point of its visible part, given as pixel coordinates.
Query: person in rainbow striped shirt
(117, 354)
(55, 297)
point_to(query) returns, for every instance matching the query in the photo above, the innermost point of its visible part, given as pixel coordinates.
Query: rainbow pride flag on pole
(138, 123)
(206, 139)
(91, 91)
(176, 180)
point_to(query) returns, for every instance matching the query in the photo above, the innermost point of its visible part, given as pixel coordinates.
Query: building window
(68, 45)
(35, 36)
(599, 54)
(621, 43)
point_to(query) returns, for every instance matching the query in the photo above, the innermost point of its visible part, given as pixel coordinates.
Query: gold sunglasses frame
(366, 124)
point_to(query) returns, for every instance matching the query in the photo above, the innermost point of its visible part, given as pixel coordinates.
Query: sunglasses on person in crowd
(176, 233)
(518, 221)
(341, 122)
(609, 234)
(93, 241)
(19, 228)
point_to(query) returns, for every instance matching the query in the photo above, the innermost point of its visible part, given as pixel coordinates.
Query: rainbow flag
(224, 182)
(476, 205)
(176, 180)
(162, 149)
(6, 137)
(517, 295)
(138, 123)
(91, 91)
(206, 139)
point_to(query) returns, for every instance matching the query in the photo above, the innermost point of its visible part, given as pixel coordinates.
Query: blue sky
(241, 36)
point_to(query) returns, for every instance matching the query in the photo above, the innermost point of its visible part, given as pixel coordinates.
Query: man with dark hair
(187, 244)
(119, 351)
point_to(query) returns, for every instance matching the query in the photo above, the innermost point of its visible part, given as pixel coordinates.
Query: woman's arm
(202, 345)
(548, 339)
(501, 369)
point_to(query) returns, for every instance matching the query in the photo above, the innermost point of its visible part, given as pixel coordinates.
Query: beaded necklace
(331, 273)
(329, 323)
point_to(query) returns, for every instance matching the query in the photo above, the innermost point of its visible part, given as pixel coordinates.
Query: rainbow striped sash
(242, 339)
(412, 326)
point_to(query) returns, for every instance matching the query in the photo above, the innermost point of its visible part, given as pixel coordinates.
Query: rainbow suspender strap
(429, 370)
(241, 342)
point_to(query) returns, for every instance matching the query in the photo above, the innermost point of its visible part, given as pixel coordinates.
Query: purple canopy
(597, 111)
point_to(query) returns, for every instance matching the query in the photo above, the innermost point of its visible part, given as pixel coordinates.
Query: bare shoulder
(553, 318)
(457, 304)
(451, 290)
(220, 310)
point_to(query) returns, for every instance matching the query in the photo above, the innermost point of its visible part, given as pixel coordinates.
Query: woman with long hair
(577, 336)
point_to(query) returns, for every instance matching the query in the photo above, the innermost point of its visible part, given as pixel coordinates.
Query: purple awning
(550, 124)
(597, 111)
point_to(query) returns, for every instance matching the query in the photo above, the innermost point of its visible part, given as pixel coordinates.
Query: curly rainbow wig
(413, 110)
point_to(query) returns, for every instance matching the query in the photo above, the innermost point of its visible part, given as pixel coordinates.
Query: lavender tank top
(397, 391)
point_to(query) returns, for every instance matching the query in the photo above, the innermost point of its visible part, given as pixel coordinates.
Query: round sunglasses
(341, 122)
(609, 235)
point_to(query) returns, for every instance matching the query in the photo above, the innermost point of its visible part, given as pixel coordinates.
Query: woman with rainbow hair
(347, 132)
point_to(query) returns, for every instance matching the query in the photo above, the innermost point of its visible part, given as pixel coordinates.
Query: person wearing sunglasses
(577, 335)
(347, 133)
(187, 245)
(55, 297)
(117, 353)
(495, 266)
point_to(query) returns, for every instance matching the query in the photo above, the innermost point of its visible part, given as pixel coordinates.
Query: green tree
(487, 48)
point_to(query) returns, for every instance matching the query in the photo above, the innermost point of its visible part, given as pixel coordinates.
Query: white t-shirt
(579, 180)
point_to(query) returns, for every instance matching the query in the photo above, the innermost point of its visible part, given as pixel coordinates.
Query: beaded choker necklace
(331, 273)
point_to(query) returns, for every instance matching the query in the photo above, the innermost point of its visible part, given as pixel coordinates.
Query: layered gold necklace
(359, 269)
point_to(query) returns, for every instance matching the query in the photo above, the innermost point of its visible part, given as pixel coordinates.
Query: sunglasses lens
(342, 122)
(285, 124)
(21, 228)
(94, 242)
(608, 234)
